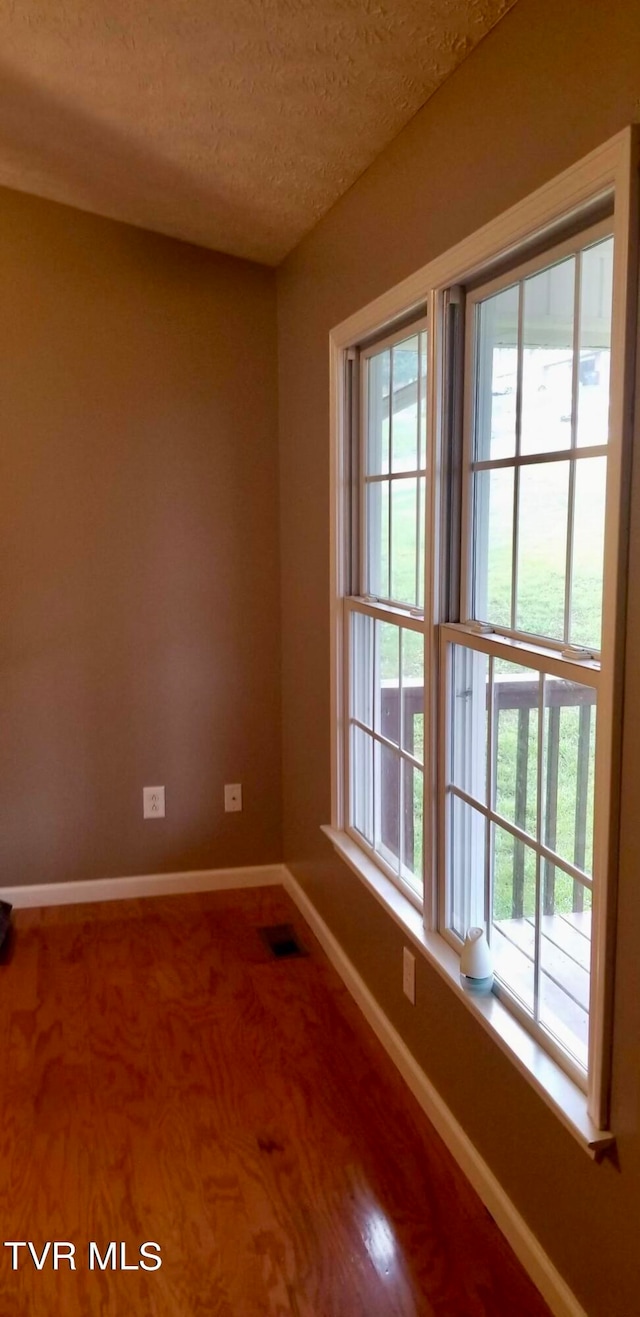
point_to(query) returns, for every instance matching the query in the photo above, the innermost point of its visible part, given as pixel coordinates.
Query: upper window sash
(535, 444)
(392, 461)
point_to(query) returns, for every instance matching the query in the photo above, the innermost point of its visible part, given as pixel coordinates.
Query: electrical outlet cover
(233, 798)
(153, 802)
(409, 975)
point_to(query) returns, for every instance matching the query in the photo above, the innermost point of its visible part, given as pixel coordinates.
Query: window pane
(547, 362)
(361, 661)
(423, 401)
(469, 686)
(493, 546)
(404, 540)
(387, 681)
(377, 459)
(377, 528)
(413, 693)
(514, 905)
(362, 783)
(388, 804)
(516, 700)
(542, 549)
(595, 343)
(497, 374)
(404, 415)
(565, 954)
(466, 865)
(413, 817)
(588, 552)
(421, 533)
(569, 749)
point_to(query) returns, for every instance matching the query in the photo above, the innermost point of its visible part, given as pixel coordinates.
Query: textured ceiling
(231, 123)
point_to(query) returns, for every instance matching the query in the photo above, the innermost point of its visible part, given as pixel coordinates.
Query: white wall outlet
(232, 798)
(409, 975)
(153, 802)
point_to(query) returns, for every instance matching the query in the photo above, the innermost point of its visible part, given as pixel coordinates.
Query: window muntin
(541, 348)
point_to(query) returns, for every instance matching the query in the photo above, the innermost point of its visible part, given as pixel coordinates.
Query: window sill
(556, 1089)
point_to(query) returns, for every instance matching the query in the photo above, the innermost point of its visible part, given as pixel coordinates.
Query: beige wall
(138, 550)
(551, 82)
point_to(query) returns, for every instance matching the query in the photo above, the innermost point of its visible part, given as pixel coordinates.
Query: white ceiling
(235, 124)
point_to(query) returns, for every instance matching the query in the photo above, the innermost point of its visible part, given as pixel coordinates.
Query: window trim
(608, 174)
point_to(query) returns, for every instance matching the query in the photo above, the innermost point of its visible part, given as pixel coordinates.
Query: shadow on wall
(91, 161)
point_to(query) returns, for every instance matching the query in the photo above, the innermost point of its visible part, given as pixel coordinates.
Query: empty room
(319, 696)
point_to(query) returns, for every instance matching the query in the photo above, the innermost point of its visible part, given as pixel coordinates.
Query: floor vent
(282, 941)
(5, 931)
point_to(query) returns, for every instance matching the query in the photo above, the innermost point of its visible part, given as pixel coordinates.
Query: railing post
(520, 813)
(408, 740)
(580, 842)
(551, 809)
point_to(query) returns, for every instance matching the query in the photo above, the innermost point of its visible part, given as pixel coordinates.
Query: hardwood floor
(164, 1079)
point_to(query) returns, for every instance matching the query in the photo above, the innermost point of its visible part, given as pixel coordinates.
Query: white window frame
(609, 174)
(403, 615)
(541, 653)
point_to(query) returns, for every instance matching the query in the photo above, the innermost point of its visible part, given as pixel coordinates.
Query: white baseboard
(153, 884)
(561, 1300)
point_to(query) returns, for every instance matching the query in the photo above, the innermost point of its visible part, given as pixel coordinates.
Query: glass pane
(514, 905)
(569, 751)
(377, 532)
(588, 552)
(493, 546)
(388, 804)
(404, 415)
(469, 689)
(423, 401)
(542, 549)
(466, 866)
(547, 361)
(596, 290)
(516, 700)
(497, 375)
(413, 815)
(413, 693)
(362, 783)
(387, 681)
(421, 534)
(361, 659)
(565, 952)
(404, 540)
(377, 459)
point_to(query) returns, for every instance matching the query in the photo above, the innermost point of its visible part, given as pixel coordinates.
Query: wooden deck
(564, 971)
(164, 1079)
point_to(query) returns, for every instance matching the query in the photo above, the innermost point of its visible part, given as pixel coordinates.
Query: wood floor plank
(166, 1079)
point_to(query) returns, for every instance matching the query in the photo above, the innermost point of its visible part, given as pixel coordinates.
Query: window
(384, 615)
(520, 723)
(479, 483)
